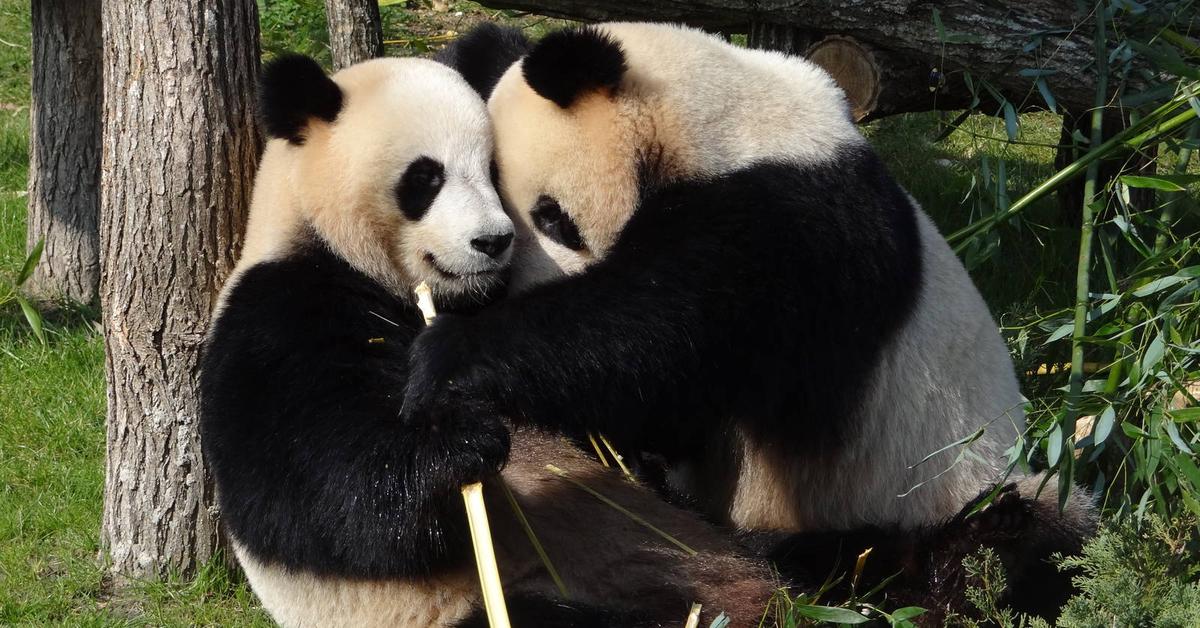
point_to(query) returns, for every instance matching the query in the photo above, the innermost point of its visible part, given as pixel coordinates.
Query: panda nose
(492, 245)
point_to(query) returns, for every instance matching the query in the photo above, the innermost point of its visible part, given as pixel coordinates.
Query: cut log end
(854, 69)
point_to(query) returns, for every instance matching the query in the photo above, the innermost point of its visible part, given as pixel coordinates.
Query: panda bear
(340, 511)
(716, 268)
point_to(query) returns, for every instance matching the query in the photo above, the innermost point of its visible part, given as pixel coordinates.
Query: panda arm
(301, 388)
(765, 295)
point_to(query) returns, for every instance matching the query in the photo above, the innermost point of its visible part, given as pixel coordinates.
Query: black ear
(568, 63)
(484, 54)
(292, 90)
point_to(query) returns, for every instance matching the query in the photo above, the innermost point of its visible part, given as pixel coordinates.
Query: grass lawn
(52, 398)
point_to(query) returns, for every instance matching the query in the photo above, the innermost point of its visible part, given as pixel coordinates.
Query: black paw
(1005, 516)
(465, 448)
(436, 361)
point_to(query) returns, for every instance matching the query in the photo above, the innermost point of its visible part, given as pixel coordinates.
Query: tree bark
(986, 38)
(64, 142)
(355, 32)
(179, 152)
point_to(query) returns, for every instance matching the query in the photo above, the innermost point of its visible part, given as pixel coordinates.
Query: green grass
(52, 398)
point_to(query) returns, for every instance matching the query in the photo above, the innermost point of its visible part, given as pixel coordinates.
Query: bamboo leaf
(1173, 433)
(908, 612)
(1047, 95)
(1185, 415)
(830, 614)
(1162, 283)
(1010, 121)
(937, 23)
(34, 318)
(1061, 332)
(31, 262)
(1054, 443)
(1153, 355)
(1104, 425)
(1164, 182)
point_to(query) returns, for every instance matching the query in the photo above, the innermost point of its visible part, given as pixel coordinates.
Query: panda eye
(419, 185)
(494, 172)
(549, 218)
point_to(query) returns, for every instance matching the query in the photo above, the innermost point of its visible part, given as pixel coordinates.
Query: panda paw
(465, 448)
(435, 361)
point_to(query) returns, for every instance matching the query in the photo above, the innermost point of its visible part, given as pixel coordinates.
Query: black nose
(492, 245)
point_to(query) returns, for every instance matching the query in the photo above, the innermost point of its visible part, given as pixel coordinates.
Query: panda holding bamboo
(341, 512)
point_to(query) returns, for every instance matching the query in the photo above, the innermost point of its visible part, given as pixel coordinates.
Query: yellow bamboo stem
(616, 456)
(481, 532)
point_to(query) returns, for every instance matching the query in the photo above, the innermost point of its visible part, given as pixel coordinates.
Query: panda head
(390, 163)
(590, 119)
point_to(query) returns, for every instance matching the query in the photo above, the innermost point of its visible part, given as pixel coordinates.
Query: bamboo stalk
(481, 532)
(693, 618)
(616, 456)
(621, 509)
(1177, 198)
(1083, 267)
(599, 452)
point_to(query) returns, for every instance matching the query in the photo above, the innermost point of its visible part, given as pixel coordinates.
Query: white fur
(297, 599)
(945, 375)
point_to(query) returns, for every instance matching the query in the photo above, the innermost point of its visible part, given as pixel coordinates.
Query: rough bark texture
(64, 159)
(355, 33)
(985, 37)
(179, 152)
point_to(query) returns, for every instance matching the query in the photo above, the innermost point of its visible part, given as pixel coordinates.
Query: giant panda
(341, 512)
(716, 268)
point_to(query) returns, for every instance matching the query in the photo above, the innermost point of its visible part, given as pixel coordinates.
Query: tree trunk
(64, 143)
(179, 152)
(355, 33)
(988, 38)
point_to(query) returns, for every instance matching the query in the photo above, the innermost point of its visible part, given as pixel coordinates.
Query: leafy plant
(11, 292)
(294, 26)
(1122, 353)
(986, 584)
(1134, 575)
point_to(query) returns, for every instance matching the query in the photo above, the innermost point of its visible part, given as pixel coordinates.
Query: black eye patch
(549, 218)
(419, 185)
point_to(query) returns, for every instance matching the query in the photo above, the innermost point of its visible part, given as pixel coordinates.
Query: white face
(401, 182)
(689, 106)
(569, 178)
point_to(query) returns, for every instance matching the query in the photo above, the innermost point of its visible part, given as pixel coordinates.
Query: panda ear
(569, 63)
(292, 90)
(483, 55)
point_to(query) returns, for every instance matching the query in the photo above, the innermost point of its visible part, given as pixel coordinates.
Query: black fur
(765, 294)
(567, 63)
(926, 565)
(484, 54)
(419, 185)
(293, 90)
(301, 386)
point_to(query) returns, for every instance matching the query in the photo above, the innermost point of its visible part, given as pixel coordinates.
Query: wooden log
(992, 40)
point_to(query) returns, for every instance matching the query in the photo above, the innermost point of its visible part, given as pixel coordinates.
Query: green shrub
(1137, 576)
